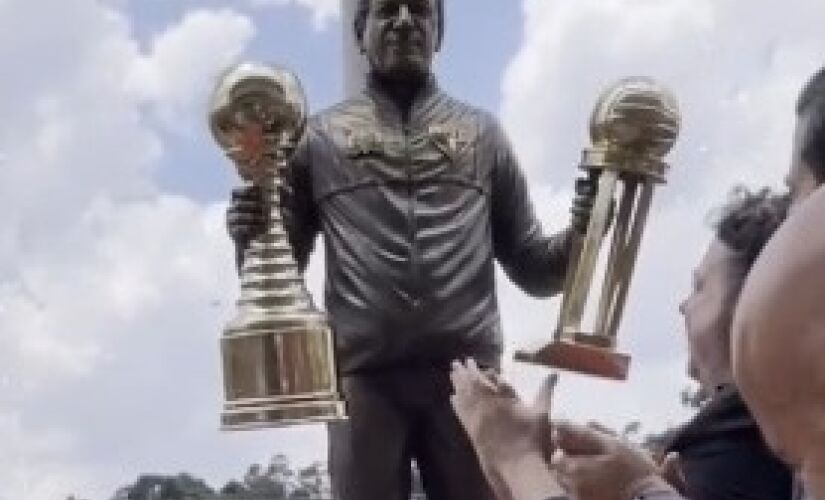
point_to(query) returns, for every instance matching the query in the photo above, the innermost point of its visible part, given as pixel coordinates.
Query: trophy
(633, 126)
(278, 353)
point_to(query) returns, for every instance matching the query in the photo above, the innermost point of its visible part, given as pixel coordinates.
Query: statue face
(400, 37)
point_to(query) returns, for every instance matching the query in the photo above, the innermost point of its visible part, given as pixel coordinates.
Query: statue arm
(534, 261)
(300, 212)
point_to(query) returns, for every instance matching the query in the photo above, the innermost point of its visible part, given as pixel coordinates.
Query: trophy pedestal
(581, 356)
(279, 412)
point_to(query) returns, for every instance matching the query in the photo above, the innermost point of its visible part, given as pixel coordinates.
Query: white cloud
(184, 61)
(735, 67)
(323, 11)
(112, 292)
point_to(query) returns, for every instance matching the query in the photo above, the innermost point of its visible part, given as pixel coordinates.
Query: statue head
(399, 37)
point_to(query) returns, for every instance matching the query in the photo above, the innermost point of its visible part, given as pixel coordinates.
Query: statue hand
(586, 191)
(246, 216)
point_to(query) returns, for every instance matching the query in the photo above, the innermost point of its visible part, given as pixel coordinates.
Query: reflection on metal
(634, 125)
(278, 353)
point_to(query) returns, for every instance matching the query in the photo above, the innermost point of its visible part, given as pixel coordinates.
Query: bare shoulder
(787, 283)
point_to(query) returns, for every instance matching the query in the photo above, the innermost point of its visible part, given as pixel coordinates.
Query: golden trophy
(278, 353)
(633, 126)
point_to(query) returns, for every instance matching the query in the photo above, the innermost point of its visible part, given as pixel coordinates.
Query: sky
(116, 274)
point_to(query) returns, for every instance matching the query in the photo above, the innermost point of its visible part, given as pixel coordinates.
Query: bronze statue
(417, 196)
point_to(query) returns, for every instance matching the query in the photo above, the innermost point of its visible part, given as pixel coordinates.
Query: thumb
(578, 440)
(544, 398)
(671, 471)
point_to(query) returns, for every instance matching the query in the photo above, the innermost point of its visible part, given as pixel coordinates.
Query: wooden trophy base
(580, 357)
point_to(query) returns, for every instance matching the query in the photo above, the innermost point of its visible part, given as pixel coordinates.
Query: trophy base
(240, 415)
(580, 358)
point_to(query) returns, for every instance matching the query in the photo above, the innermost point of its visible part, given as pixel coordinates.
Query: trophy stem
(627, 259)
(271, 280)
(583, 268)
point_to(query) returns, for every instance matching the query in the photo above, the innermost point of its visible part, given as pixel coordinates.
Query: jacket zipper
(415, 261)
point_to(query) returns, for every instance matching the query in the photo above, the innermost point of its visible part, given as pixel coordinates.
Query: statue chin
(407, 69)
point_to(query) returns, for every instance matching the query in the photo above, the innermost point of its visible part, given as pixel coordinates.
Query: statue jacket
(414, 212)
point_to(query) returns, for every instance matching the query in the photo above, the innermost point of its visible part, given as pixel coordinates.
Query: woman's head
(741, 229)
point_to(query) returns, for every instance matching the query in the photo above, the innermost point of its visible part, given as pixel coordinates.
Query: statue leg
(368, 453)
(448, 463)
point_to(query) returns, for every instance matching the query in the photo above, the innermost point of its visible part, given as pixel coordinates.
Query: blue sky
(116, 274)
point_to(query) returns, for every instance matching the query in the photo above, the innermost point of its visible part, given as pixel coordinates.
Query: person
(721, 454)
(417, 195)
(779, 328)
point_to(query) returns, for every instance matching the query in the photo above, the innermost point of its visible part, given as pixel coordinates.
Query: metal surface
(633, 126)
(278, 353)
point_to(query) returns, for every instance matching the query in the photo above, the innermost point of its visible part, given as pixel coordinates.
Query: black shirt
(724, 457)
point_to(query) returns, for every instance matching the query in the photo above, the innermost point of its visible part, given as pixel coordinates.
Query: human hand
(245, 217)
(596, 465)
(671, 471)
(512, 440)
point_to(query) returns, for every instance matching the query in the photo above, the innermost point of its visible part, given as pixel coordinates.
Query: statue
(417, 195)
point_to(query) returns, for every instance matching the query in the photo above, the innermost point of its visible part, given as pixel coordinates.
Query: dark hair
(363, 9)
(811, 101)
(748, 220)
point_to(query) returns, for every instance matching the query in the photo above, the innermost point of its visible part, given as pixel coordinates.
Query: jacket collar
(422, 105)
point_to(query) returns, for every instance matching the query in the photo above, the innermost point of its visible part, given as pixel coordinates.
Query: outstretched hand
(513, 440)
(598, 465)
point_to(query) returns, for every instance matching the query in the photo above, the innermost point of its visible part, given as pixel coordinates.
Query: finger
(248, 202)
(479, 377)
(602, 428)
(671, 471)
(569, 468)
(543, 401)
(244, 217)
(244, 225)
(458, 377)
(247, 190)
(578, 440)
(586, 187)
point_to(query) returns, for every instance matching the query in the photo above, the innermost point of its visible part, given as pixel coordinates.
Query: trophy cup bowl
(278, 352)
(636, 122)
(633, 126)
(257, 110)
